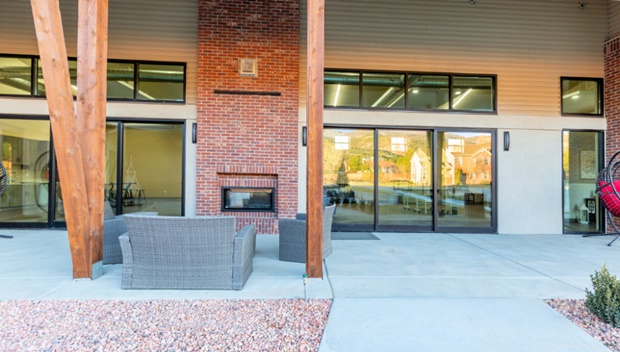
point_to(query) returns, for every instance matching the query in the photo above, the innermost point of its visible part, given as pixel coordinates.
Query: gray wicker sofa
(161, 252)
(293, 236)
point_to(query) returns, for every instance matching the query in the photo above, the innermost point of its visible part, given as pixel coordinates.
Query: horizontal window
(582, 96)
(15, 75)
(417, 91)
(161, 82)
(126, 80)
(384, 90)
(429, 92)
(342, 89)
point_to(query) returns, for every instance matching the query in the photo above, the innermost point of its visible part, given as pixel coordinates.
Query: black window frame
(136, 64)
(33, 63)
(407, 107)
(600, 93)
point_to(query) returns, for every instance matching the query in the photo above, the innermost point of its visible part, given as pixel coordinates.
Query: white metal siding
(529, 44)
(614, 19)
(158, 30)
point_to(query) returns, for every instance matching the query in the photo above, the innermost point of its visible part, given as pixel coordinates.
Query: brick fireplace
(248, 123)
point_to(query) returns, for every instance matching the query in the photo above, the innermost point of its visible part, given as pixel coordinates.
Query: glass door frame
(120, 125)
(403, 228)
(48, 222)
(436, 174)
(602, 162)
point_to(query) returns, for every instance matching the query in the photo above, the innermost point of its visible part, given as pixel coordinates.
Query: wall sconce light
(194, 132)
(506, 141)
(582, 5)
(304, 136)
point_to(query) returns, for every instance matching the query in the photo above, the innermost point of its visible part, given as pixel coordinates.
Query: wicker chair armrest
(112, 229)
(127, 274)
(244, 248)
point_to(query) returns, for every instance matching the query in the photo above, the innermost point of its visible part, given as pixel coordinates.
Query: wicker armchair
(186, 253)
(293, 236)
(113, 228)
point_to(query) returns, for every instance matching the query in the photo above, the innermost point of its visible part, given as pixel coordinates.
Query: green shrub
(604, 302)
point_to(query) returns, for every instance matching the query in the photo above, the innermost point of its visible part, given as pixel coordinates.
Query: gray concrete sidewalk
(465, 292)
(405, 292)
(451, 324)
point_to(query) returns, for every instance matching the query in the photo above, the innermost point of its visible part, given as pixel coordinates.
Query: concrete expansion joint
(501, 256)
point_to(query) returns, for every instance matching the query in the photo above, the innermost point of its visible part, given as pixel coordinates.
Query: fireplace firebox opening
(242, 199)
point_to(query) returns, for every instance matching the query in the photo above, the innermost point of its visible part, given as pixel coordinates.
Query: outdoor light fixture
(194, 132)
(506, 140)
(304, 136)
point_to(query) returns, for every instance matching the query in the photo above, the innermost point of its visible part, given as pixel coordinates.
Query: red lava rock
(166, 325)
(576, 311)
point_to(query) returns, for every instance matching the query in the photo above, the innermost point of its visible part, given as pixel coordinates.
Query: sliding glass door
(144, 167)
(349, 177)
(26, 159)
(465, 177)
(143, 171)
(405, 180)
(410, 180)
(582, 159)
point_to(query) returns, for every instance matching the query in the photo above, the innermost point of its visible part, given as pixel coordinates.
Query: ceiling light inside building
(337, 94)
(387, 92)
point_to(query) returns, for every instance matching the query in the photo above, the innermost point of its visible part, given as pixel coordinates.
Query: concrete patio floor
(426, 292)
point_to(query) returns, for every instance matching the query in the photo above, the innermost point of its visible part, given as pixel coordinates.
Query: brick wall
(250, 138)
(612, 99)
(612, 95)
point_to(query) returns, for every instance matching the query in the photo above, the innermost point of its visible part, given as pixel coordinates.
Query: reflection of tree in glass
(355, 163)
(343, 179)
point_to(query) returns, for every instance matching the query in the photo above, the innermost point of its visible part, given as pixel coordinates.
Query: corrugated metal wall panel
(158, 30)
(614, 19)
(529, 44)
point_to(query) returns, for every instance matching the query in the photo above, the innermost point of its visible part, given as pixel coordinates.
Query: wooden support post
(314, 203)
(91, 110)
(53, 53)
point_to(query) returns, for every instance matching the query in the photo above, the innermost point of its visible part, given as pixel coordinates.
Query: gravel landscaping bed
(163, 325)
(576, 311)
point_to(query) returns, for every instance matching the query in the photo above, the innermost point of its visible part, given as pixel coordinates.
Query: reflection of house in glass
(420, 168)
(448, 168)
(480, 169)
